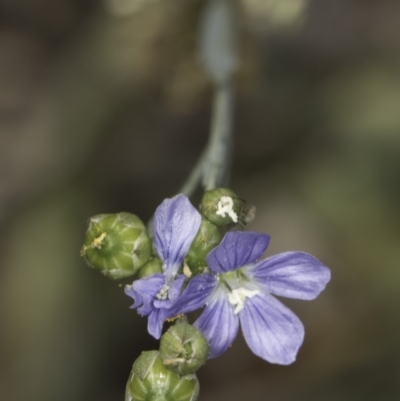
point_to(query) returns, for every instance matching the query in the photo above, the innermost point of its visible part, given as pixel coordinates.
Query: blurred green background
(104, 108)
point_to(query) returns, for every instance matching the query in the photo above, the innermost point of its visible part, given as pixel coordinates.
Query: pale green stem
(216, 167)
(213, 167)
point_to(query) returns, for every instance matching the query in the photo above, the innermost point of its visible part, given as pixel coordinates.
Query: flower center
(225, 207)
(163, 293)
(237, 297)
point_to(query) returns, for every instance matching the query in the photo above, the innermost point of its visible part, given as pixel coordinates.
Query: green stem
(212, 169)
(218, 159)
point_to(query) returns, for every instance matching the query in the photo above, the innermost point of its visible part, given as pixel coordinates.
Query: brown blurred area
(105, 108)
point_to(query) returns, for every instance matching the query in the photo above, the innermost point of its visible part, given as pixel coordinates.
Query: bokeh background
(105, 108)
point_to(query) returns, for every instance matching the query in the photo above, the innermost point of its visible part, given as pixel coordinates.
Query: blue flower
(176, 223)
(239, 290)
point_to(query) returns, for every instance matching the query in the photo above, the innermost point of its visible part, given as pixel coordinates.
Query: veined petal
(238, 248)
(218, 323)
(176, 286)
(144, 291)
(155, 322)
(176, 223)
(271, 330)
(195, 294)
(292, 275)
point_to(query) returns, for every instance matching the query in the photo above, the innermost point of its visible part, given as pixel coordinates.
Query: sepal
(248, 214)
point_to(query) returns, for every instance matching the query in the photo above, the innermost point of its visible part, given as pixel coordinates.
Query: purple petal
(218, 324)
(271, 330)
(292, 275)
(176, 286)
(155, 322)
(176, 223)
(195, 294)
(237, 249)
(144, 291)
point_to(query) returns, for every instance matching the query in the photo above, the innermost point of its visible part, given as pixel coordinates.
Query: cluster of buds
(119, 246)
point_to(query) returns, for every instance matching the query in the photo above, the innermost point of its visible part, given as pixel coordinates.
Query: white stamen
(238, 296)
(225, 207)
(163, 293)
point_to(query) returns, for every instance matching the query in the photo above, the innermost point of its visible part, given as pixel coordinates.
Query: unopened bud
(221, 206)
(207, 238)
(153, 266)
(116, 244)
(183, 349)
(150, 380)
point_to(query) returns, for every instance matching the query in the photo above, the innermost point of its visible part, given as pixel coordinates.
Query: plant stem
(216, 167)
(213, 167)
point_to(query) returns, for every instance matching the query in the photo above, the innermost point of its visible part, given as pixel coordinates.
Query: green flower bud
(221, 206)
(207, 238)
(153, 266)
(116, 244)
(150, 380)
(183, 349)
